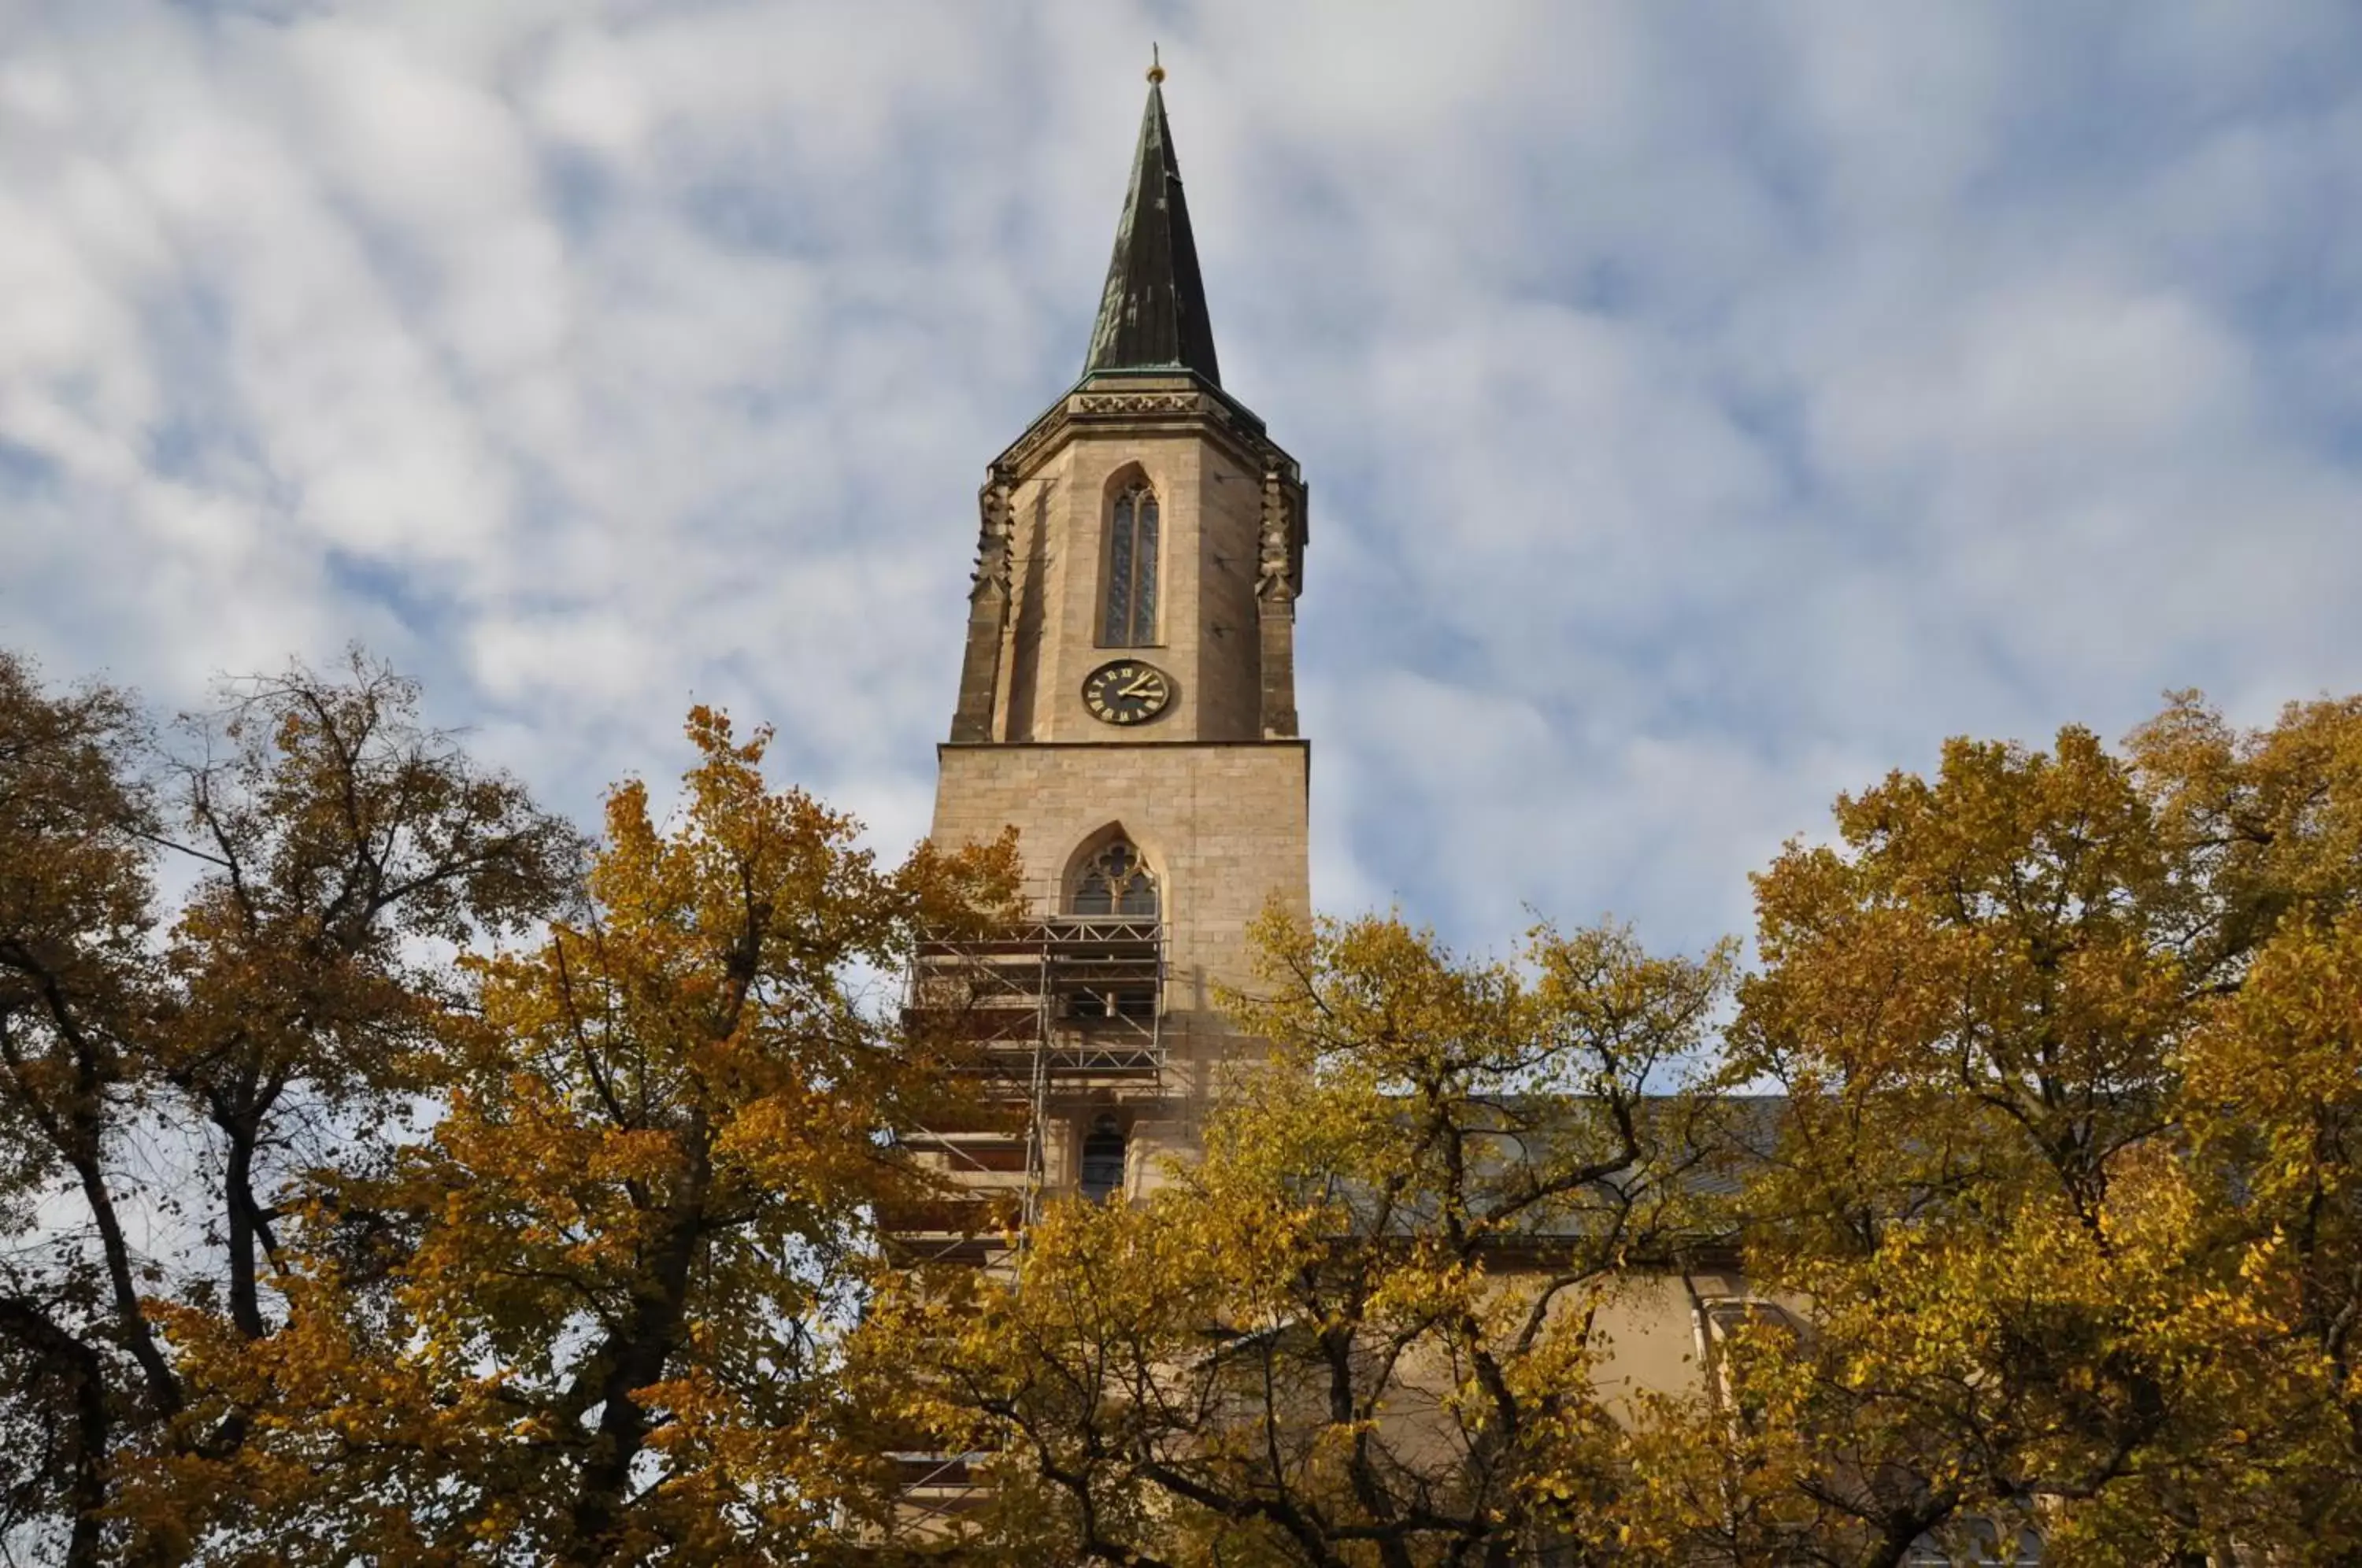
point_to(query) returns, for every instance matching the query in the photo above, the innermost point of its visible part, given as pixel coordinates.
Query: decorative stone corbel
(988, 614)
(996, 535)
(1276, 589)
(1276, 571)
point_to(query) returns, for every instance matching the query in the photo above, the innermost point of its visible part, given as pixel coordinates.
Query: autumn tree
(1364, 1329)
(583, 1320)
(388, 1179)
(2052, 1236)
(2063, 1197)
(171, 1062)
(2270, 1100)
(75, 911)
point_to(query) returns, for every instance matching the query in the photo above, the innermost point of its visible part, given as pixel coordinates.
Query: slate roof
(1152, 314)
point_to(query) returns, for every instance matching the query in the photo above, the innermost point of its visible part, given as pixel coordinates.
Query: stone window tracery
(1116, 881)
(1131, 618)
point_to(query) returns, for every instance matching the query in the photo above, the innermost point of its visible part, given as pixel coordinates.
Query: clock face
(1127, 692)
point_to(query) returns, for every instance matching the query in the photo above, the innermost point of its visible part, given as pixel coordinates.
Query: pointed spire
(1152, 315)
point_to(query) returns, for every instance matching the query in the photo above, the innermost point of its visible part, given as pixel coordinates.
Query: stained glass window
(1132, 571)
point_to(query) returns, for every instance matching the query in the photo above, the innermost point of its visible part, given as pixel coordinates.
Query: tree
(2270, 1095)
(2063, 1191)
(397, 1189)
(584, 1319)
(1362, 1330)
(167, 1067)
(75, 1347)
(2055, 1234)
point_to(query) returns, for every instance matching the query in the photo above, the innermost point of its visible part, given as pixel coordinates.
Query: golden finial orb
(1155, 66)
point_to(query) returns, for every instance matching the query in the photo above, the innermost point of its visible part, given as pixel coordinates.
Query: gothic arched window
(1102, 1163)
(1116, 881)
(1130, 619)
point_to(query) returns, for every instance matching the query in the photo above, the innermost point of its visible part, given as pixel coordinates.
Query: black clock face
(1127, 692)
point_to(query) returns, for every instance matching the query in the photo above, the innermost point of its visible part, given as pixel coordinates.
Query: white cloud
(1706, 410)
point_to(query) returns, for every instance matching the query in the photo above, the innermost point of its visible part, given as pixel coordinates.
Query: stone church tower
(1127, 702)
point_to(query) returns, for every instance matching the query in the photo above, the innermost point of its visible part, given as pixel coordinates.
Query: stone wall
(1223, 826)
(1224, 829)
(1209, 502)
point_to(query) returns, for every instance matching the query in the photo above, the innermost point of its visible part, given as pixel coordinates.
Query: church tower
(1127, 702)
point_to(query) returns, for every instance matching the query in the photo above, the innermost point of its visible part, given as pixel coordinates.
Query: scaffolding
(1036, 1011)
(937, 1488)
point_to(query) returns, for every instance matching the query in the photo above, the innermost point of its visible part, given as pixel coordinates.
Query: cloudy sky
(1707, 407)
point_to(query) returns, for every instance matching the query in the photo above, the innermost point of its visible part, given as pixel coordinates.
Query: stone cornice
(1166, 400)
(1286, 743)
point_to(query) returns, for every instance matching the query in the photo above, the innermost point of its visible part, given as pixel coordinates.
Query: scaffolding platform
(1084, 994)
(1036, 1010)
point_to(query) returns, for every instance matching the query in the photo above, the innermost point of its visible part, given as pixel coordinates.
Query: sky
(1706, 408)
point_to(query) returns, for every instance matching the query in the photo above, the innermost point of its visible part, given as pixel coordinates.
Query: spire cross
(1155, 66)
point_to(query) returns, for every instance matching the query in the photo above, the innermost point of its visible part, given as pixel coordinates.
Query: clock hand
(1145, 685)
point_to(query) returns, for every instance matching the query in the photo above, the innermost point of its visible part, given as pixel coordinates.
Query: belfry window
(1132, 571)
(1103, 1160)
(1116, 881)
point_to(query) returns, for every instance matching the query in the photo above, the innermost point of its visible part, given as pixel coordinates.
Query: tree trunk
(138, 1337)
(635, 1356)
(89, 1430)
(245, 1295)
